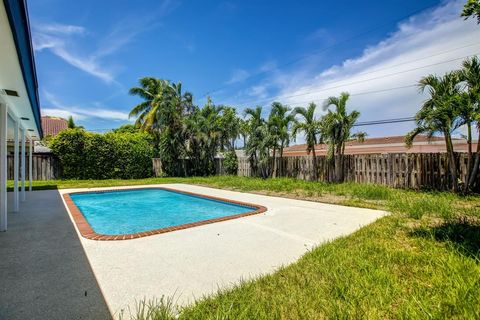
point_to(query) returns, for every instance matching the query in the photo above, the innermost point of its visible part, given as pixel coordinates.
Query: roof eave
(17, 13)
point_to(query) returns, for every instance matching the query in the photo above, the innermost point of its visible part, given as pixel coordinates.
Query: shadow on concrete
(44, 272)
(462, 233)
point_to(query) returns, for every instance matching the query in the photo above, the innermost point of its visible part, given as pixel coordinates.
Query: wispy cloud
(57, 38)
(97, 110)
(320, 34)
(430, 42)
(238, 75)
(62, 41)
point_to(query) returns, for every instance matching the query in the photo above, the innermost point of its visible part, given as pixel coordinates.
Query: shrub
(230, 163)
(69, 147)
(133, 154)
(85, 155)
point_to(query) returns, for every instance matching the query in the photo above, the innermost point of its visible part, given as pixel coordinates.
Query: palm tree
(244, 129)
(472, 9)
(230, 126)
(203, 132)
(256, 144)
(279, 124)
(310, 127)
(470, 113)
(161, 113)
(439, 114)
(336, 127)
(71, 123)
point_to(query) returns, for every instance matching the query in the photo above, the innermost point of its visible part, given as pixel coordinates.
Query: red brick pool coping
(87, 232)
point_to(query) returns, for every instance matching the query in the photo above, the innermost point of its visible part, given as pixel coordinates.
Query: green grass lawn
(422, 261)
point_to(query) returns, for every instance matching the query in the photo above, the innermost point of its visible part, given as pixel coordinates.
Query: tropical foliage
(453, 101)
(310, 126)
(85, 155)
(337, 125)
(161, 113)
(472, 9)
(186, 133)
(196, 135)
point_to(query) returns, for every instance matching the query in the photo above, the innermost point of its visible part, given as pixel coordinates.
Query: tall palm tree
(230, 126)
(310, 126)
(244, 129)
(257, 142)
(161, 114)
(279, 122)
(470, 113)
(439, 114)
(203, 132)
(336, 127)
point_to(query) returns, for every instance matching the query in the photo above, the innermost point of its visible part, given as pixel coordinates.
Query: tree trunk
(338, 165)
(453, 165)
(280, 160)
(473, 174)
(274, 170)
(315, 167)
(469, 158)
(342, 160)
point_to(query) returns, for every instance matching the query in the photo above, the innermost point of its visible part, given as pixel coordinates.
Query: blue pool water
(132, 211)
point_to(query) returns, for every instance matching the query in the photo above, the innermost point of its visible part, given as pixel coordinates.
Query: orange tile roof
(393, 144)
(53, 125)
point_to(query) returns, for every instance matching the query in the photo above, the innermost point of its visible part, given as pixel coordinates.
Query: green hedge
(120, 155)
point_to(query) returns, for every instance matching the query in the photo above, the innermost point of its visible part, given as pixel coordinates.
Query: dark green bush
(69, 147)
(230, 163)
(85, 155)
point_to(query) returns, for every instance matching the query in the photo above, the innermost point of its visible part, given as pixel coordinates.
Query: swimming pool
(133, 213)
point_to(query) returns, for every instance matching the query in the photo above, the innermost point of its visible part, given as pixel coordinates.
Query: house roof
(18, 19)
(391, 144)
(53, 125)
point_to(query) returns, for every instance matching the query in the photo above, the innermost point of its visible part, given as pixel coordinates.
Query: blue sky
(89, 53)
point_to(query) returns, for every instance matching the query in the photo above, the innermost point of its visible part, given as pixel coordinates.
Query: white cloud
(58, 28)
(62, 40)
(427, 39)
(57, 38)
(258, 91)
(61, 113)
(238, 75)
(80, 113)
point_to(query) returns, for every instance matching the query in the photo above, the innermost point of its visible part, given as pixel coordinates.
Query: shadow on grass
(462, 233)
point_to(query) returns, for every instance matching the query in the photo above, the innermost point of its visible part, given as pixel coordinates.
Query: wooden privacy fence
(398, 170)
(45, 166)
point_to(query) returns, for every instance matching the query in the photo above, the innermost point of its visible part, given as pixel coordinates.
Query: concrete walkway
(44, 272)
(193, 262)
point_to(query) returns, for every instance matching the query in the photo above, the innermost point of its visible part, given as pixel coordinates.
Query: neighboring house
(394, 144)
(53, 125)
(19, 103)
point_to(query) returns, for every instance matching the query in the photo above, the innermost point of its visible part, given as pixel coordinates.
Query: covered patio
(45, 272)
(19, 103)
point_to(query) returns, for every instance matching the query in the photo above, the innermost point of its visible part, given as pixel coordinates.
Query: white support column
(3, 167)
(30, 178)
(16, 151)
(23, 167)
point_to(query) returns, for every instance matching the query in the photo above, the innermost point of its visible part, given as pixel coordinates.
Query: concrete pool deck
(187, 263)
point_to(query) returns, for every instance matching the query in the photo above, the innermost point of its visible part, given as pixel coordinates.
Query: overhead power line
(384, 121)
(356, 82)
(400, 64)
(356, 94)
(346, 40)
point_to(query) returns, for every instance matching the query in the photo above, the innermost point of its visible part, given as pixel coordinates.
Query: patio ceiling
(15, 48)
